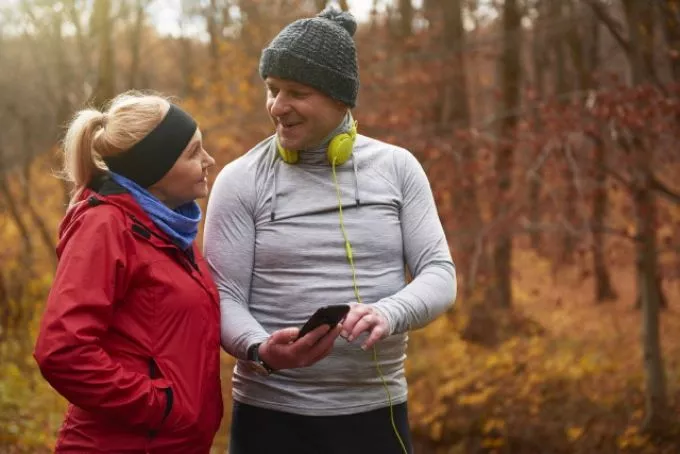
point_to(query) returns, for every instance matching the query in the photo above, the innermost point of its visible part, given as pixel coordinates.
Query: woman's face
(187, 180)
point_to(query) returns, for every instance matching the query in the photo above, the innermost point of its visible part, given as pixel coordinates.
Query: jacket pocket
(154, 372)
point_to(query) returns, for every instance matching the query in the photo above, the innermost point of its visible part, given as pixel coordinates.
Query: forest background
(548, 129)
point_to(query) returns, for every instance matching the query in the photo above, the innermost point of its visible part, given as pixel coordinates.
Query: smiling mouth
(286, 125)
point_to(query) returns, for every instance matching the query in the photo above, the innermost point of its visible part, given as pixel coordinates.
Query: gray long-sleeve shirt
(276, 259)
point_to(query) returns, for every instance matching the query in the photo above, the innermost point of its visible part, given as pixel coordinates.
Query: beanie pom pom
(342, 18)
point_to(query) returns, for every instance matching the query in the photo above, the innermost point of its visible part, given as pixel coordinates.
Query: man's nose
(280, 106)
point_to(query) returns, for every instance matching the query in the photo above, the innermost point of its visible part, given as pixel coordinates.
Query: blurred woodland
(549, 130)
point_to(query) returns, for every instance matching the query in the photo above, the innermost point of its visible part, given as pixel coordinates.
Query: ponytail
(80, 162)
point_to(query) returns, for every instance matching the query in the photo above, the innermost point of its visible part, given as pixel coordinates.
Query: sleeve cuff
(381, 308)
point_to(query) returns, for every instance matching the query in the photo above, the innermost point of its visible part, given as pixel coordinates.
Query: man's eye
(298, 94)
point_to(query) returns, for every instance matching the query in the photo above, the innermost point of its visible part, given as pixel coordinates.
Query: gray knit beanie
(318, 52)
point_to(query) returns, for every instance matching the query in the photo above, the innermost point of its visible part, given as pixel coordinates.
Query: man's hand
(363, 318)
(282, 351)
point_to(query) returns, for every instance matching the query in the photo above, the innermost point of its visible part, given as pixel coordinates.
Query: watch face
(253, 353)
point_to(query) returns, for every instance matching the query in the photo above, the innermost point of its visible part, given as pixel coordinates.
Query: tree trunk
(64, 108)
(406, 15)
(4, 309)
(45, 235)
(649, 287)
(22, 227)
(640, 40)
(561, 89)
(27, 191)
(456, 116)
(578, 39)
(373, 16)
(105, 88)
(603, 287)
(74, 14)
(215, 35)
(252, 23)
(640, 22)
(585, 55)
(655, 381)
(320, 4)
(64, 73)
(647, 37)
(650, 294)
(670, 11)
(539, 63)
(454, 38)
(135, 44)
(535, 207)
(557, 43)
(186, 60)
(510, 70)
(570, 212)
(676, 265)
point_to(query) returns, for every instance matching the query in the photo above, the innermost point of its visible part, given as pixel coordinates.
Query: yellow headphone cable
(350, 259)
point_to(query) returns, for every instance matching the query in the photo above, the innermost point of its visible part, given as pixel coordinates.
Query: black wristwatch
(256, 363)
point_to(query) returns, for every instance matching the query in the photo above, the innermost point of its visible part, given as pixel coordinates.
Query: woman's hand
(364, 318)
(282, 351)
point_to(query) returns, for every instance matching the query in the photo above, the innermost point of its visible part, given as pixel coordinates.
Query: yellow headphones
(339, 149)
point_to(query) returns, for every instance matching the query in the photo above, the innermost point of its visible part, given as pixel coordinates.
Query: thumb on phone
(283, 336)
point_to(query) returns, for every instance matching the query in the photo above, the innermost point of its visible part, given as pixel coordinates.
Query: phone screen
(327, 315)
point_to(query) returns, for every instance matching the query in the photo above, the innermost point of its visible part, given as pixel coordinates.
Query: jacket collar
(104, 190)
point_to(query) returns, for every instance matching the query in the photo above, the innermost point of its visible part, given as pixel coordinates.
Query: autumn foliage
(549, 131)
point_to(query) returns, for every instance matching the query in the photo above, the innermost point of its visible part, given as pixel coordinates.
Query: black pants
(260, 431)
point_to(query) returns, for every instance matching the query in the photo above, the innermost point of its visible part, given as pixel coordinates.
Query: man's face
(302, 115)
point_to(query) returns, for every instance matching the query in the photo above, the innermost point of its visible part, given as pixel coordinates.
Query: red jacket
(130, 335)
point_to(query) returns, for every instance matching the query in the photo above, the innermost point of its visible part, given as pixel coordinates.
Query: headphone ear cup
(288, 156)
(340, 148)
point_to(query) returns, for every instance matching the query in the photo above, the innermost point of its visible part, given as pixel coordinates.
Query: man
(318, 215)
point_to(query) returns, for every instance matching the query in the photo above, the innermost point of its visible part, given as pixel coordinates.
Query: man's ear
(341, 105)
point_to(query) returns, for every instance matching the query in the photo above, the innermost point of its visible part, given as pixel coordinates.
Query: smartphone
(327, 315)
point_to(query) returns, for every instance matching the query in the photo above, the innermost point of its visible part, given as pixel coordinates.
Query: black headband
(153, 156)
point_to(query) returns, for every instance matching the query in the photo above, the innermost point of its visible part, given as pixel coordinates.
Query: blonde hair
(93, 134)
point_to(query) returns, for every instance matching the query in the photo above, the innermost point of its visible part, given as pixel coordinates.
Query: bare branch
(83, 45)
(577, 180)
(527, 226)
(628, 184)
(571, 160)
(480, 237)
(660, 187)
(532, 173)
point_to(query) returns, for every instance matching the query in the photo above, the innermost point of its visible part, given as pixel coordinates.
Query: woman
(130, 334)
